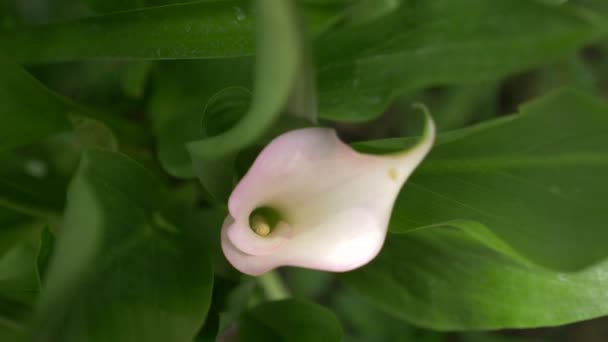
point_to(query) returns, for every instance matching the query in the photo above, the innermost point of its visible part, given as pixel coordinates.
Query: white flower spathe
(332, 203)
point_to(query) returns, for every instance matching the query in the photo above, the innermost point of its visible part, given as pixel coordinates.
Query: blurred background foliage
(152, 103)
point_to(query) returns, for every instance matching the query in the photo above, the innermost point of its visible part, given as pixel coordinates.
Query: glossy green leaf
(30, 184)
(134, 79)
(306, 283)
(19, 272)
(222, 111)
(536, 180)
(24, 101)
(575, 72)
(364, 322)
(19, 247)
(106, 6)
(10, 331)
(92, 133)
(437, 42)
(294, 320)
(47, 243)
(197, 29)
(180, 89)
(19, 279)
(192, 30)
(464, 105)
(594, 7)
(445, 279)
(278, 59)
(14, 227)
(364, 11)
(120, 271)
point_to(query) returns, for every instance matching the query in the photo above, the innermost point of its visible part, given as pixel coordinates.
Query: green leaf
(47, 243)
(465, 104)
(363, 322)
(278, 59)
(573, 72)
(30, 184)
(10, 331)
(180, 89)
(222, 111)
(202, 29)
(92, 133)
(19, 279)
(120, 271)
(445, 279)
(536, 180)
(24, 102)
(595, 7)
(294, 320)
(364, 11)
(307, 283)
(198, 29)
(539, 185)
(14, 227)
(437, 42)
(134, 79)
(105, 6)
(221, 291)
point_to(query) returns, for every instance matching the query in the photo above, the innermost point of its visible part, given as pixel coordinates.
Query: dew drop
(35, 168)
(240, 15)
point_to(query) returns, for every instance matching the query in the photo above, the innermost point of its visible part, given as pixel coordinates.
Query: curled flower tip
(309, 200)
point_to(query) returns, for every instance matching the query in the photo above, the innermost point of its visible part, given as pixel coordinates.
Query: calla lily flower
(309, 200)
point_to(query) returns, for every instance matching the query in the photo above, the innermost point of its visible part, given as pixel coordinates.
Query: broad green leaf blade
(363, 322)
(222, 111)
(23, 102)
(92, 133)
(47, 242)
(180, 89)
(30, 184)
(574, 72)
(197, 29)
(120, 271)
(19, 277)
(364, 11)
(294, 320)
(19, 272)
(19, 246)
(536, 180)
(595, 7)
(26, 101)
(193, 30)
(14, 227)
(277, 58)
(463, 105)
(278, 61)
(444, 279)
(10, 331)
(108, 6)
(427, 43)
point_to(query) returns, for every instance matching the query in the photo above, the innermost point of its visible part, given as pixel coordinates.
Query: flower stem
(273, 285)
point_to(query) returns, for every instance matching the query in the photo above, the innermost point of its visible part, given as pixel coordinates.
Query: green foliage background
(124, 126)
